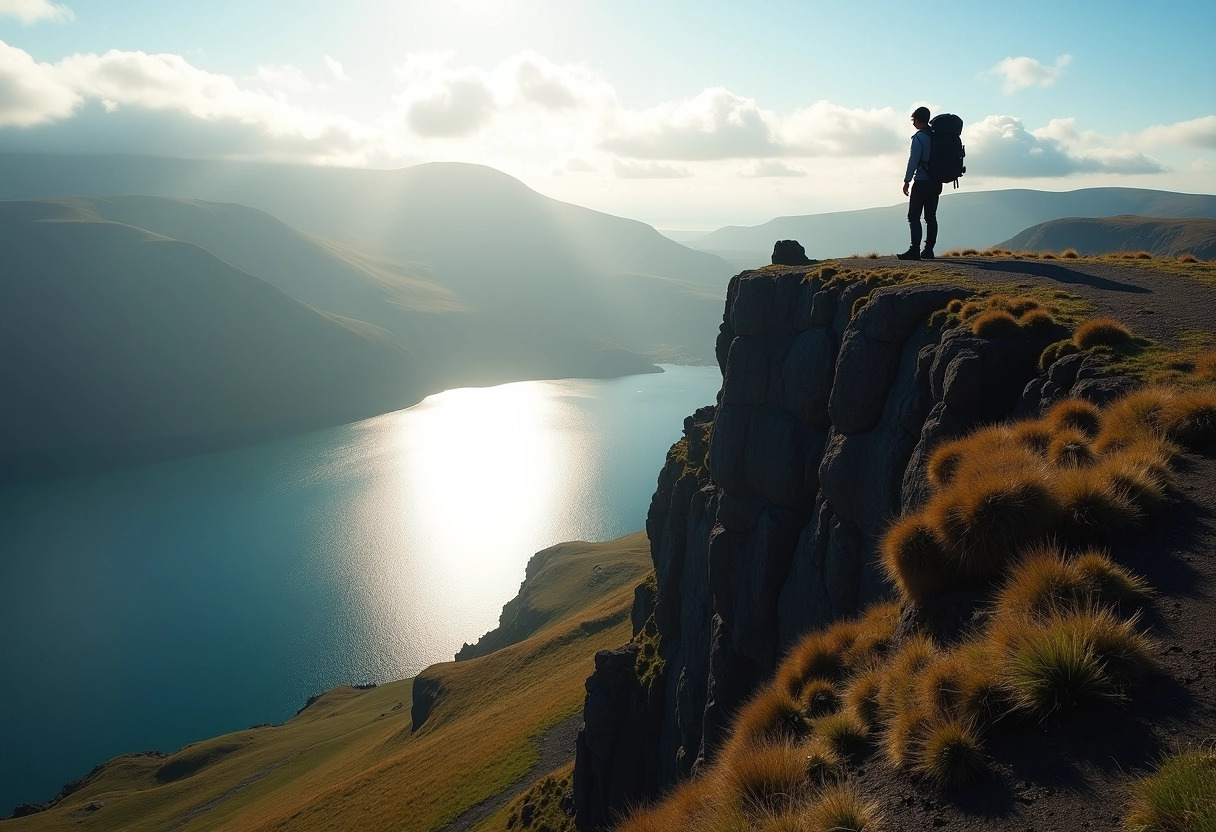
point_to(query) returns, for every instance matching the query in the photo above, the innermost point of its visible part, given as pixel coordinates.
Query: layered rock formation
(833, 395)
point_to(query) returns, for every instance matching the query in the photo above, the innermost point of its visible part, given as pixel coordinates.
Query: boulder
(789, 253)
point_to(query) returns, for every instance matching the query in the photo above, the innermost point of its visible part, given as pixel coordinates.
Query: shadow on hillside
(1058, 273)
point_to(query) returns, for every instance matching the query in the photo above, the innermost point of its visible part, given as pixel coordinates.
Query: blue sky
(685, 115)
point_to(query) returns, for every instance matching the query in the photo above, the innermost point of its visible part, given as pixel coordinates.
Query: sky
(688, 116)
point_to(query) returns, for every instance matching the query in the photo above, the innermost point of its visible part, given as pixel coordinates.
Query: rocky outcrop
(424, 695)
(789, 253)
(833, 395)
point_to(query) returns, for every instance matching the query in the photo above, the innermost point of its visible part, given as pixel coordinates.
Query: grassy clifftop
(349, 759)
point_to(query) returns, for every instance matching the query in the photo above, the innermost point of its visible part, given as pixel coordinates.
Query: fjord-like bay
(155, 606)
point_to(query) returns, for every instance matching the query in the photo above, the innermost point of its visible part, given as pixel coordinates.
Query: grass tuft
(914, 558)
(772, 715)
(1093, 511)
(1054, 352)
(768, 777)
(846, 733)
(819, 698)
(1076, 414)
(950, 755)
(1070, 449)
(1101, 332)
(1187, 258)
(991, 517)
(995, 323)
(1070, 254)
(862, 696)
(1037, 319)
(1179, 797)
(1189, 418)
(841, 808)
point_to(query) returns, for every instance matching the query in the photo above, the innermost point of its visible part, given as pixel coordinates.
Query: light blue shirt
(918, 157)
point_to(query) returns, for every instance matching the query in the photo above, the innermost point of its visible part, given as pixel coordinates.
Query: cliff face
(830, 405)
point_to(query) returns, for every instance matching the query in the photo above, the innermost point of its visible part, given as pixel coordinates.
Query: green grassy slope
(350, 761)
(1159, 237)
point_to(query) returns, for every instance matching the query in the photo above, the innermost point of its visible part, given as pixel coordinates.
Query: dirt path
(556, 747)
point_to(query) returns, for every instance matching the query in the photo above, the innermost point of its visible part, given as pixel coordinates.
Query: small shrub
(873, 255)
(1037, 320)
(1076, 414)
(950, 755)
(954, 307)
(971, 308)
(995, 323)
(846, 733)
(914, 558)
(1179, 797)
(1070, 449)
(841, 808)
(1101, 332)
(819, 698)
(1054, 352)
(1069, 254)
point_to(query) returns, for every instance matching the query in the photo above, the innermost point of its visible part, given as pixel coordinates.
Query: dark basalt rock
(825, 424)
(789, 253)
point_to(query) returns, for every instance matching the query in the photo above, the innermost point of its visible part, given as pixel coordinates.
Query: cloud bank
(33, 11)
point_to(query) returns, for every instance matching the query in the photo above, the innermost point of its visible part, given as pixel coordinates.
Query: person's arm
(914, 157)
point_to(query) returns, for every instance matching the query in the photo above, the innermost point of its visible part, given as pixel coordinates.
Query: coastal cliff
(767, 514)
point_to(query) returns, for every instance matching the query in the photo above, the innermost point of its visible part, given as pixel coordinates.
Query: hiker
(925, 191)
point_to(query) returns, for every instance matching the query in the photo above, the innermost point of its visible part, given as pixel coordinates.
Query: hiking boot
(927, 254)
(910, 254)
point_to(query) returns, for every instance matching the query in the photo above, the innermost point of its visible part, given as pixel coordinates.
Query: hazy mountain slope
(976, 220)
(113, 335)
(1160, 237)
(521, 260)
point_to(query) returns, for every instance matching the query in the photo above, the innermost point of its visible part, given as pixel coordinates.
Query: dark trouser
(924, 198)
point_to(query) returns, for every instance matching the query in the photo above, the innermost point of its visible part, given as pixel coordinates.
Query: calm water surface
(152, 607)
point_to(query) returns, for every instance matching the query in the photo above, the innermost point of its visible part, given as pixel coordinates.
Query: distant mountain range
(1160, 237)
(974, 220)
(436, 277)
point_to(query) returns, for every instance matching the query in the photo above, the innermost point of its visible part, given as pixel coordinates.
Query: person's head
(920, 118)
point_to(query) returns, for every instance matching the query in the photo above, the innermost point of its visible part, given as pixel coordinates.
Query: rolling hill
(120, 344)
(968, 220)
(1159, 237)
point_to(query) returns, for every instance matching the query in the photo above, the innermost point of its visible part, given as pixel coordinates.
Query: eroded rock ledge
(833, 395)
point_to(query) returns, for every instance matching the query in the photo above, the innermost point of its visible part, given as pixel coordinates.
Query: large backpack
(946, 151)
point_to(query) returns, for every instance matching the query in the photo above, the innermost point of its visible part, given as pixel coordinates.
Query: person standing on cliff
(925, 192)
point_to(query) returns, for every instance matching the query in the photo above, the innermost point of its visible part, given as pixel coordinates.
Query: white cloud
(32, 11)
(30, 92)
(648, 170)
(761, 168)
(1198, 132)
(572, 164)
(34, 94)
(718, 124)
(1002, 146)
(1020, 73)
(335, 69)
